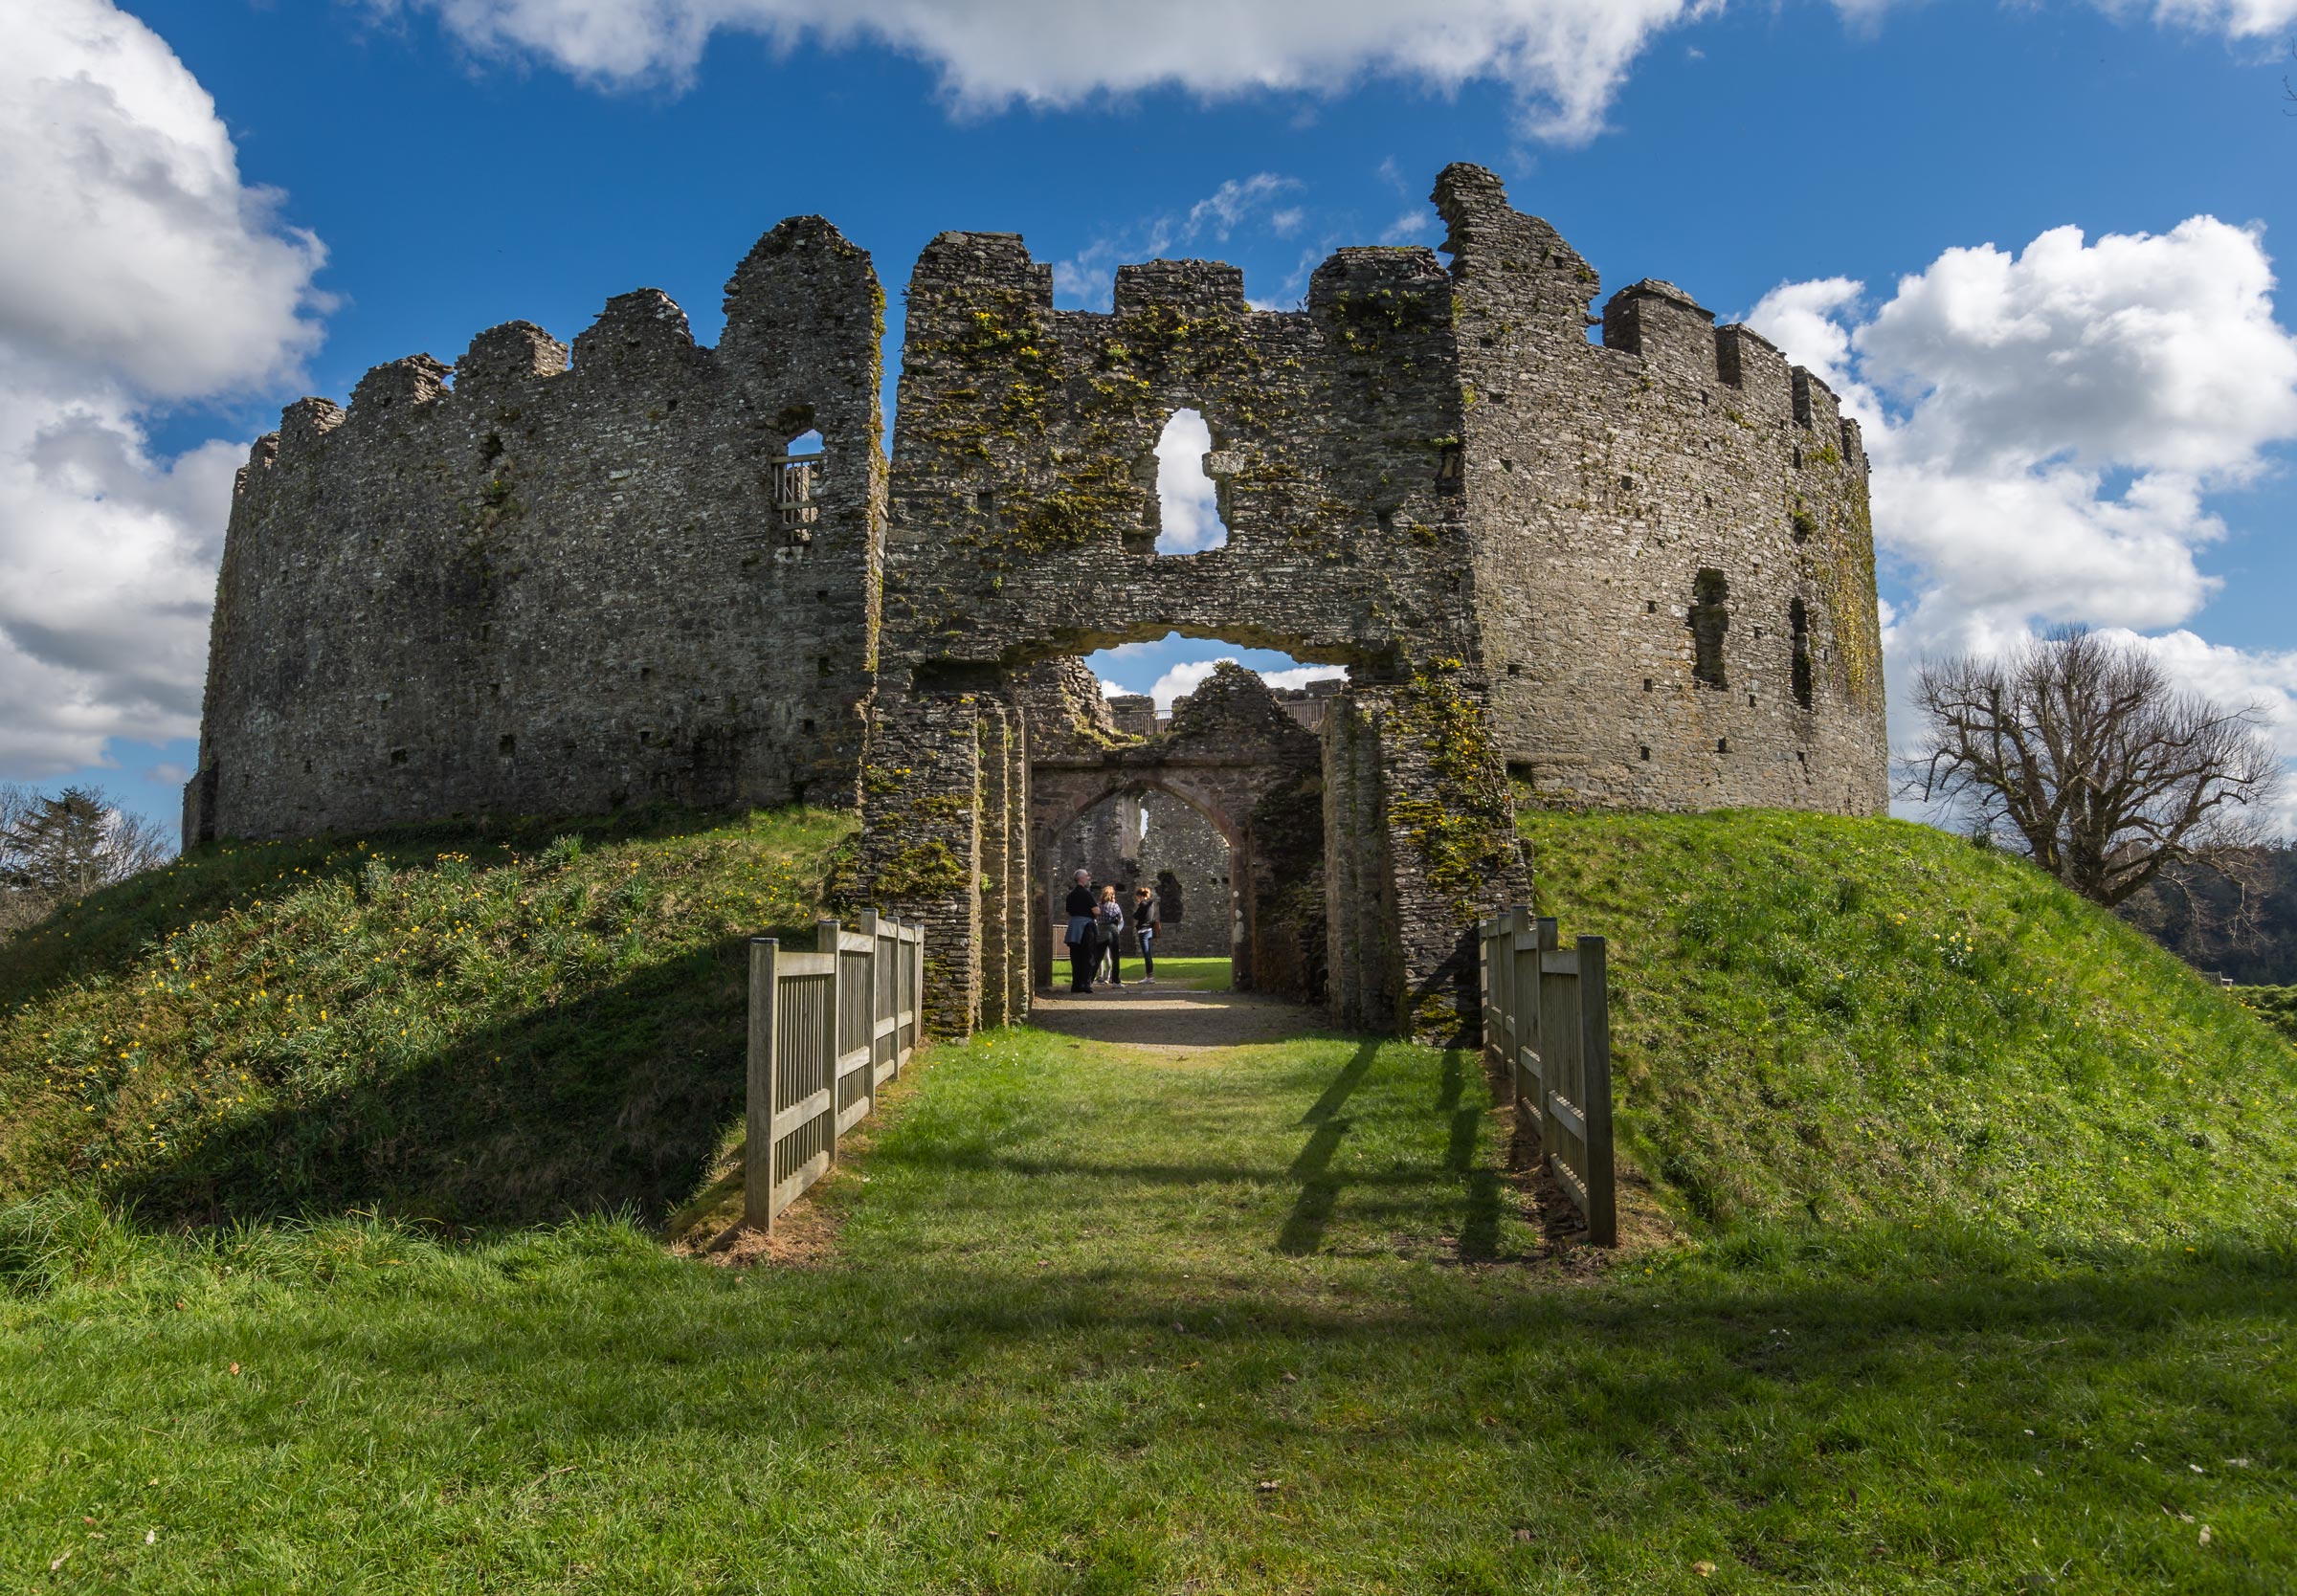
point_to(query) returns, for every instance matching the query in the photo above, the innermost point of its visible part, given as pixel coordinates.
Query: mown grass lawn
(1098, 1320)
(1194, 974)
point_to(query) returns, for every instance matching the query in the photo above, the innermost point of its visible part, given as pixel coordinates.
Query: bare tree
(2081, 749)
(54, 851)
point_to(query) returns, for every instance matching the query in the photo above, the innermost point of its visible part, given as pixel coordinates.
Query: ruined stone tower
(1634, 573)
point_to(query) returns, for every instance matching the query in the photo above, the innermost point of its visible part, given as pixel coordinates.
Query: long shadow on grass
(1319, 1187)
(608, 1101)
(1425, 1192)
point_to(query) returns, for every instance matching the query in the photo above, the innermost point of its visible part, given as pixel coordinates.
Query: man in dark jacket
(1083, 952)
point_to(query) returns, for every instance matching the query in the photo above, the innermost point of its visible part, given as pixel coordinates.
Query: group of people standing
(1095, 933)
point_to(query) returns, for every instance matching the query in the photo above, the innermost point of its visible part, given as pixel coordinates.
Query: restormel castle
(1637, 574)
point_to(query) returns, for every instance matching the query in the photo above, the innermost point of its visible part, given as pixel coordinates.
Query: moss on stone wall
(1465, 836)
(921, 871)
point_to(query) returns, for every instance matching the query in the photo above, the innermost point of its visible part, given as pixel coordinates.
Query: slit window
(1798, 630)
(1709, 620)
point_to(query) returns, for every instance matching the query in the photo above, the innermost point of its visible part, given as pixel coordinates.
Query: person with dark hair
(1083, 953)
(1148, 919)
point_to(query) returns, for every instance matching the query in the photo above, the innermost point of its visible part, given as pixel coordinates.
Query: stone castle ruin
(1633, 573)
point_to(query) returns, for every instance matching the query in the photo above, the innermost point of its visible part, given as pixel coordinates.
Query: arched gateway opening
(1015, 541)
(1223, 799)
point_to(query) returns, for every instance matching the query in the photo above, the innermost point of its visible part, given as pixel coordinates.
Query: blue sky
(460, 163)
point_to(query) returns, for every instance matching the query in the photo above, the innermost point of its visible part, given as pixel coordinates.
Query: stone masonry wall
(1640, 573)
(1024, 515)
(559, 591)
(1623, 500)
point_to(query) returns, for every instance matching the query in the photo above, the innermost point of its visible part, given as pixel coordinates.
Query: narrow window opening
(1799, 628)
(1172, 906)
(508, 745)
(1448, 463)
(823, 663)
(1188, 500)
(1722, 745)
(806, 726)
(795, 484)
(1650, 607)
(398, 756)
(1648, 683)
(1644, 752)
(1709, 620)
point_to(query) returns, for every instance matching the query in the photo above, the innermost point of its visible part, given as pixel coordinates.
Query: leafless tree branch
(2085, 752)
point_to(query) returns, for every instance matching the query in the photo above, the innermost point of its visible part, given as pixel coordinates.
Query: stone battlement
(1639, 572)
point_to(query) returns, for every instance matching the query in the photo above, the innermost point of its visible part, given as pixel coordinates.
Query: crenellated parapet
(1676, 563)
(481, 588)
(1634, 571)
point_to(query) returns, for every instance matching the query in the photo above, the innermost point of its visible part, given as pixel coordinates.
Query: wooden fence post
(1595, 1063)
(757, 1147)
(877, 959)
(825, 940)
(1545, 937)
(1523, 1001)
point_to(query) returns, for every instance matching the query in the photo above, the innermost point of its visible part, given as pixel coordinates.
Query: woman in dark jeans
(1083, 953)
(1148, 919)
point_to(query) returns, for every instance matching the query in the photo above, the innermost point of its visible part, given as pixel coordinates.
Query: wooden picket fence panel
(1547, 1028)
(826, 1030)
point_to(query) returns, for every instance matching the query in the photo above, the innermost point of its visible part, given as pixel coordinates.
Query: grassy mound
(2275, 1006)
(493, 1027)
(1853, 1019)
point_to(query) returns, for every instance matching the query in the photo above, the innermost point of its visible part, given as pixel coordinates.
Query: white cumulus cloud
(136, 268)
(2046, 426)
(1563, 59)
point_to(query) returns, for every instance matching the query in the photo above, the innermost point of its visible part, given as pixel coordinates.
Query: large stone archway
(1022, 528)
(1235, 757)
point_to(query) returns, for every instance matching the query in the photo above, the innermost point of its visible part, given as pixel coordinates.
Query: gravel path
(1173, 1020)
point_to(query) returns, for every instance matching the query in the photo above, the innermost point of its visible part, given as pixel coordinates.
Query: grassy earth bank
(503, 1025)
(1961, 1303)
(1846, 1020)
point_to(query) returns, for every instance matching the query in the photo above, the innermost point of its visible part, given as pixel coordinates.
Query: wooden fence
(826, 1030)
(1547, 1025)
